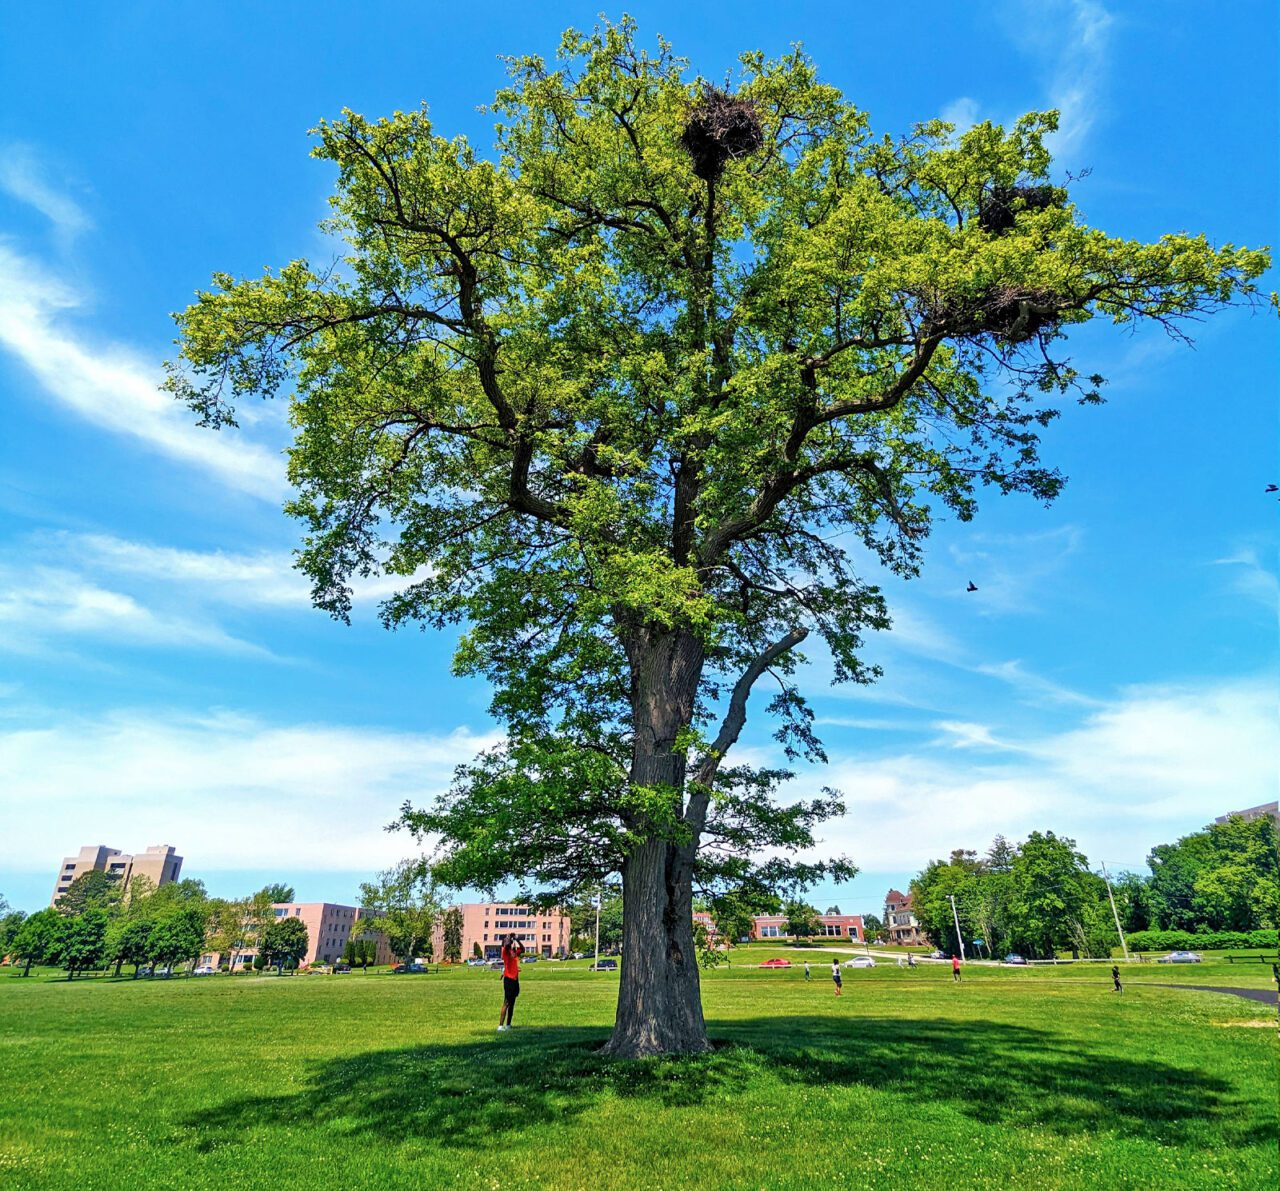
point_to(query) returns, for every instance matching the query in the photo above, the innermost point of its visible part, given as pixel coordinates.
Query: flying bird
(972, 586)
(1273, 488)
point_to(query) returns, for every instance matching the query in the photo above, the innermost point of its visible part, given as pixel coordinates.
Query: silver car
(1180, 957)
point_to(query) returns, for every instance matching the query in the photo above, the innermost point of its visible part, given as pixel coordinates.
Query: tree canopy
(643, 400)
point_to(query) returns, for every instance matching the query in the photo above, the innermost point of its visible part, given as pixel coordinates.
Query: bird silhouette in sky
(1273, 488)
(972, 586)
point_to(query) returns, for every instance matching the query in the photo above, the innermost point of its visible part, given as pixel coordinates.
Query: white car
(203, 970)
(860, 961)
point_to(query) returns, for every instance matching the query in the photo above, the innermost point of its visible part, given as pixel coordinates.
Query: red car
(776, 963)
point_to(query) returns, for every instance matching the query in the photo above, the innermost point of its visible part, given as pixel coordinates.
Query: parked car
(1011, 958)
(529, 959)
(203, 970)
(342, 967)
(1180, 957)
(475, 962)
(860, 961)
(776, 963)
(399, 968)
(938, 955)
(605, 965)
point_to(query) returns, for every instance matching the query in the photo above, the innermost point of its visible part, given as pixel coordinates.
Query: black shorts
(510, 988)
(836, 981)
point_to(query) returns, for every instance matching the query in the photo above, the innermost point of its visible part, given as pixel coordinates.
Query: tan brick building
(160, 863)
(329, 927)
(543, 932)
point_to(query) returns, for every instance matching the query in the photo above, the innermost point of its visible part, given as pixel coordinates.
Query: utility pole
(1124, 946)
(597, 963)
(956, 916)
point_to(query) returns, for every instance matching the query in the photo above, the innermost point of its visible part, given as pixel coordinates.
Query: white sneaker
(502, 1029)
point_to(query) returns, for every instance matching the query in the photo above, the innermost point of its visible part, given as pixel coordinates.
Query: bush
(1181, 940)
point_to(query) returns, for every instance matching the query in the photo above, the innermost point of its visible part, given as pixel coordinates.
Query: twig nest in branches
(1009, 314)
(1000, 206)
(720, 127)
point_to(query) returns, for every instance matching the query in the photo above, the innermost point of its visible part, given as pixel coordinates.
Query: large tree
(285, 942)
(82, 941)
(405, 905)
(36, 941)
(641, 401)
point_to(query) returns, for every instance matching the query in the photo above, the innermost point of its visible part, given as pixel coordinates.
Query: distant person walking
(1115, 976)
(955, 968)
(512, 950)
(835, 976)
(807, 974)
(911, 959)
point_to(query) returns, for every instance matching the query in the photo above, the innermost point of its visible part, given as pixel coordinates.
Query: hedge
(1220, 940)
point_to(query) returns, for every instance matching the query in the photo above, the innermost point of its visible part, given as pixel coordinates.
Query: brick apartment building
(900, 923)
(543, 932)
(329, 927)
(834, 926)
(160, 863)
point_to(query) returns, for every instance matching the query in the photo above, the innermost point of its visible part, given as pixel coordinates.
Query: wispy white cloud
(1251, 579)
(25, 177)
(1033, 687)
(1079, 75)
(1071, 42)
(262, 578)
(229, 791)
(42, 605)
(1145, 767)
(115, 387)
(1014, 572)
(964, 112)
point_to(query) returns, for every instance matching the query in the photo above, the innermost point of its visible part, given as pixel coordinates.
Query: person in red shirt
(955, 967)
(512, 950)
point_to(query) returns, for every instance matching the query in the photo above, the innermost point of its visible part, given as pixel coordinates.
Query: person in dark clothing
(1115, 976)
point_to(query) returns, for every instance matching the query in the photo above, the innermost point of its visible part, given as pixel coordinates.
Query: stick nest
(999, 207)
(1009, 314)
(720, 127)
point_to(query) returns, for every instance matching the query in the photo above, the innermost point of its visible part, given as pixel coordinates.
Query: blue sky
(162, 676)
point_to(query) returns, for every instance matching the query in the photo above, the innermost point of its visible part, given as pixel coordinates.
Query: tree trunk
(659, 994)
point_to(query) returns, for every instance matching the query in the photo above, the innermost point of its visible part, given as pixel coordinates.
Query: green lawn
(1012, 1078)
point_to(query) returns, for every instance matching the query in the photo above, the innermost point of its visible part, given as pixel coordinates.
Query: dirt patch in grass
(1245, 1025)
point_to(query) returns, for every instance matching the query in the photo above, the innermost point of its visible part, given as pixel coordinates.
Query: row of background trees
(98, 923)
(1041, 896)
(1038, 897)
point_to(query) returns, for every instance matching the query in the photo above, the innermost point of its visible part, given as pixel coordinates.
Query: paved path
(1265, 995)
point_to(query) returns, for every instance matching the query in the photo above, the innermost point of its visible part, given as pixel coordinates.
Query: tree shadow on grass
(467, 1094)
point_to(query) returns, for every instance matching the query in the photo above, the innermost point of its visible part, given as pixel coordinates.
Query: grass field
(1011, 1078)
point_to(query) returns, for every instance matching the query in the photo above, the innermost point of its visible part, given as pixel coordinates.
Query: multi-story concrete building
(329, 928)
(1268, 810)
(900, 923)
(159, 863)
(834, 926)
(543, 932)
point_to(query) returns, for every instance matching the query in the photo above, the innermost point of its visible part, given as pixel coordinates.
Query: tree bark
(659, 998)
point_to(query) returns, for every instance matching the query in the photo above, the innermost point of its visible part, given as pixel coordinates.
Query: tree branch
(730, 729)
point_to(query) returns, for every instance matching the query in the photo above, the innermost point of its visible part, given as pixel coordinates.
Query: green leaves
(588, 397)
